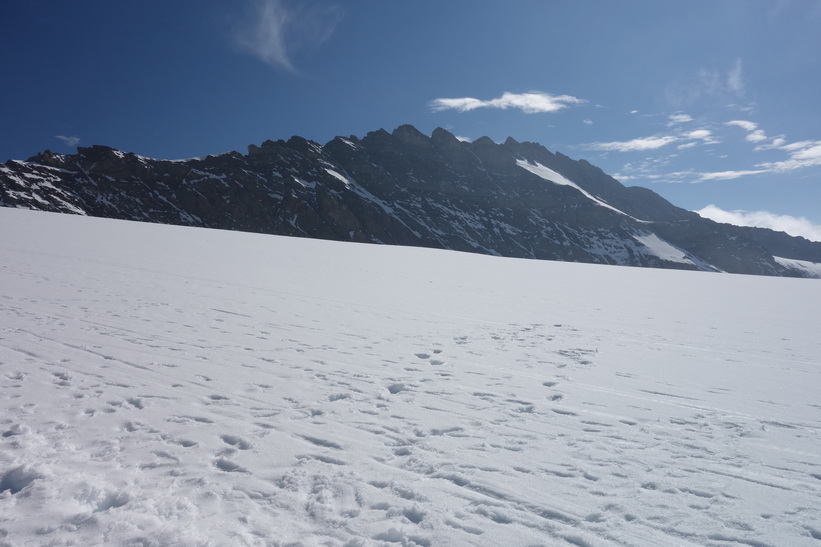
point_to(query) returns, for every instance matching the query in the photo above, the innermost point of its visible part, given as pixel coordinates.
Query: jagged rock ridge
(405, 188)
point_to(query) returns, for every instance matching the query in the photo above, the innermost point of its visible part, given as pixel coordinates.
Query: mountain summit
(405, 188)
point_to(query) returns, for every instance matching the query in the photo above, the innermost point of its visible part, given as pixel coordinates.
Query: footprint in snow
(229, 467)
(61, 378)
(235, 441)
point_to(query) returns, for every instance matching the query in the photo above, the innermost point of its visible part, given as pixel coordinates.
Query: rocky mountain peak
(514, 199)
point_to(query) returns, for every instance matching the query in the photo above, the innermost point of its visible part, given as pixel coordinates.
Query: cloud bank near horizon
(795, 226)
(530, 103)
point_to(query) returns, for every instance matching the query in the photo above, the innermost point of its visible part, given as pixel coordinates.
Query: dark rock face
(405, 188)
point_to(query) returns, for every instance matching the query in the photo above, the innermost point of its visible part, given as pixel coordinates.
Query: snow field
(175, 386)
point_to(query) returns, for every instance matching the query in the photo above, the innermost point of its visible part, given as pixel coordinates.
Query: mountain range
(514, 199)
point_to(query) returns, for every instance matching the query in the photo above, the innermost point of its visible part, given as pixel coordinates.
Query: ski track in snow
(196, 387)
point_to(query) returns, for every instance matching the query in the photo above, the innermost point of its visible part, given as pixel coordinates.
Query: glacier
(166, 385)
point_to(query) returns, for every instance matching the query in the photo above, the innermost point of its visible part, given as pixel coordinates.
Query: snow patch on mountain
(345, 180)
(663, 249)
(550, 175)
(812, 269)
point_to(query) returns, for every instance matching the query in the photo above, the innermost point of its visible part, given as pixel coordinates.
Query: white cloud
(679, 118)
(812, 153)
(687, 145)
(634, 112)
(728, 175)
(802, 154)
(795, 226)
(798, 145)
(529, 103)
(702, 134)
(276, 30)
(645, 143)
(743, 124)
(587, 122)
(69, 141)
(754, 134)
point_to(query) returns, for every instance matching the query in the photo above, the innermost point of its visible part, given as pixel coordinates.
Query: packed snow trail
(175, 386)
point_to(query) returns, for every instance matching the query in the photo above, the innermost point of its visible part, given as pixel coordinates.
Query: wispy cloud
(726, 175)
(689, 139)
(735, 82)
(69, 141)
(707, 83)
(701, 134)
(275, 30)
(795, 226)
(686, 138)
(530, 103)
(801, 154)
(679, 118)
(634, 145)
(743, 124)
(753, 133)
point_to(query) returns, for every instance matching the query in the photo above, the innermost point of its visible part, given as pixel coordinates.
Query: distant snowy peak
(406, 188)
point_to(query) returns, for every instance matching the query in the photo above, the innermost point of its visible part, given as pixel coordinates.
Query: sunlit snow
(180, 386)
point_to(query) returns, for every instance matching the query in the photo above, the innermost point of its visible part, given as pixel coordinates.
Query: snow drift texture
(175, 386)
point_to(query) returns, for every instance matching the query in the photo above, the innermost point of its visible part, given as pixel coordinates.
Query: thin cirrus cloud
(679, 118)
(800, 154)
(275, 30)
(529, 103)
(707, 83)
(795, 226)
(634, 145)
(69, 141)
(655, 142)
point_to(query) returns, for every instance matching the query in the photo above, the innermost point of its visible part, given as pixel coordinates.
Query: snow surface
(180, 386)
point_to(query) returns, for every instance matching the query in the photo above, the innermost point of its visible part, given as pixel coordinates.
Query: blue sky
(707, 102)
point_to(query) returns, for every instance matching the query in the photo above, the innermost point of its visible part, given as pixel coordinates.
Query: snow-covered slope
(179, 386)
(810, 269)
